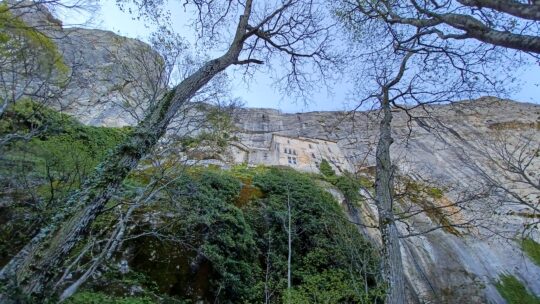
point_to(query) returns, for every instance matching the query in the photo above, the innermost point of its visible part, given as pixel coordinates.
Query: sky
(260, 92)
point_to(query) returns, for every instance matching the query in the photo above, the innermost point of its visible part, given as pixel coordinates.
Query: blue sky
(260, 92)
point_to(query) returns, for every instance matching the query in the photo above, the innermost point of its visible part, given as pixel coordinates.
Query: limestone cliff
(446, 158)
(444, 155)
(111, 79)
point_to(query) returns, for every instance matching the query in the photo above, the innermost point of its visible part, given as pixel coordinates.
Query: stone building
(301, 153)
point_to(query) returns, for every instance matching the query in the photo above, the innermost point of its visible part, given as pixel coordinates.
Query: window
(310, 146)
(313, 155)
(285, 150)
(294, 160)
(265, 155)
(329, 150)
(288, 141)
(289, 159)
(294, 152)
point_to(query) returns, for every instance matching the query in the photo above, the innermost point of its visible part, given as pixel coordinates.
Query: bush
(326, 169)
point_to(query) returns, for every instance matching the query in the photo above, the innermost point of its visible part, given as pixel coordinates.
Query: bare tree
(392, 267)
(512, 162)
(34, 67)
(274, 25)
(145, 78)
(441, 63)
(507, 24)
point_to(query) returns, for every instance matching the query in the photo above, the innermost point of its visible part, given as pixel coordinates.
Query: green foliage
(532, 249)
(41, 171)
(365, 182)
(221, 243)
(434, 192)
(328, 286)
(349, 186)
(100, 298)
(64, 153)
(426, 197)
(220, 234)
(416, 189)
(514, 292)
(328, 257)
(216, 131)
(326, 169)
(21, 42)
(210, 246)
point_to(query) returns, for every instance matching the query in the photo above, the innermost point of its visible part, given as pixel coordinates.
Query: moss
(366, 182)
(514, 292)
(435, 193)
(532, 249)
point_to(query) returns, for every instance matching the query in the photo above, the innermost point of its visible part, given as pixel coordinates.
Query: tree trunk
(33, 268)
(392, 268)
(289, 257)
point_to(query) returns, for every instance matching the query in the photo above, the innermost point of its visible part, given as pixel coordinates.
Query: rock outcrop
(445, 156)
(111, 79)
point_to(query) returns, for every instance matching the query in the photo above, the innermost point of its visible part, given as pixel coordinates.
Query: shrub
(326, 169)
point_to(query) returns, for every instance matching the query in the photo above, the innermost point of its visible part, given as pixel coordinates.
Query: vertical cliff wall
(443, 155)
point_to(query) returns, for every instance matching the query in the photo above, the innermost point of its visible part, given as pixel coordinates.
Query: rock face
(450, 162)
(114, 78)
(111, 79)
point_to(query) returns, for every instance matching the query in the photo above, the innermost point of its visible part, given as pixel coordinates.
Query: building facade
(301, 153)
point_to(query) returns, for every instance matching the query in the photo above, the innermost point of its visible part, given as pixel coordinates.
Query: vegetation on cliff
(514, 292)
(206, 234)
(36, 174)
